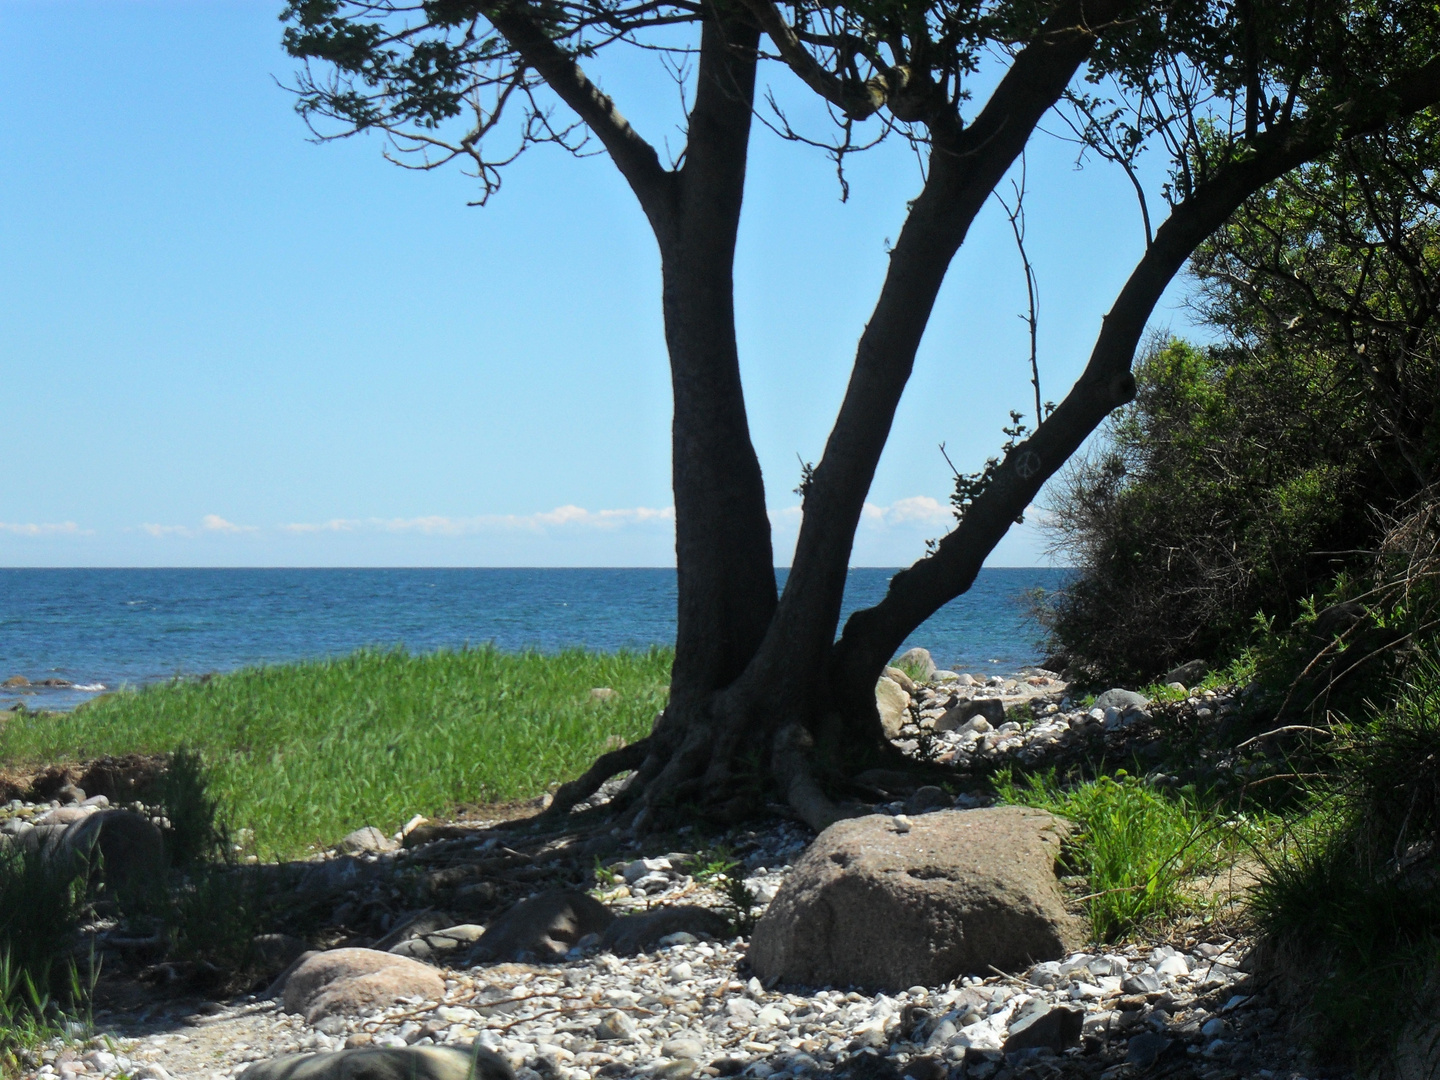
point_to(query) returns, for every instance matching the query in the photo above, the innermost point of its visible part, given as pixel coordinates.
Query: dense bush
(1213, 497)
(1260, 474)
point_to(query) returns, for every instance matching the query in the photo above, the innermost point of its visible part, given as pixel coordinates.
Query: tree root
(790, 763)
(626, 759)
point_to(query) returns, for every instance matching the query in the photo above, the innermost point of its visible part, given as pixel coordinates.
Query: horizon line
(368, 566)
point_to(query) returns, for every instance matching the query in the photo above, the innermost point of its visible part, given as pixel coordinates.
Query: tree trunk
(751, 693)
(763, 697)
(723, 557)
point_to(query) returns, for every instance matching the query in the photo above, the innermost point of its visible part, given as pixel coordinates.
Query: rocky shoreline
(484, 935)
(690, 1006)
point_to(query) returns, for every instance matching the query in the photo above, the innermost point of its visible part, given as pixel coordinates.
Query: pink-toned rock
(952, 893)
(348, 982)
(65, 815)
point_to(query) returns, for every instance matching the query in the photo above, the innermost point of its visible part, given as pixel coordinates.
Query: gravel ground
(1180, 1007)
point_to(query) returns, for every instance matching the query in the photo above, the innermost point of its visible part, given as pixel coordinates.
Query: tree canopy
(1234, 95)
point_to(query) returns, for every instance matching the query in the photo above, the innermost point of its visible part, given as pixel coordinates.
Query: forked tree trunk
(764, 701)
(751, 692)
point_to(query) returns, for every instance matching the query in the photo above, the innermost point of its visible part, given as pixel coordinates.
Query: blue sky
(222, 344)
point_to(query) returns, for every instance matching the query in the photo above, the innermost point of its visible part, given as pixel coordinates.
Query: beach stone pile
(928, 938)
(978, 724)
(698, 1004)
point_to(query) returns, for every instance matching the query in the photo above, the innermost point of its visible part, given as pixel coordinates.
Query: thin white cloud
(562, 517)
(47, 528)
(333, 525)
(210, 523)
(915, 510)
(215, 523)
(166, 530)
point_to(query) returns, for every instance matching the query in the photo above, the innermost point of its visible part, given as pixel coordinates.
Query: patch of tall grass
(1136, 846)
(1349, 904)
(41, 905)
(303, 753)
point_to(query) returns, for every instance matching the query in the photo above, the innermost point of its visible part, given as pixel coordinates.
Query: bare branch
(633, 156)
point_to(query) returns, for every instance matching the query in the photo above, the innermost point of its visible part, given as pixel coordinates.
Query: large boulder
(348, 982)
(958, 893)
(893, 704)
(919, 661)
(543, 928)
(388, 1063)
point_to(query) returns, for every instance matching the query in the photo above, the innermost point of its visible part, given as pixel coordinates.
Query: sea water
(101, 629)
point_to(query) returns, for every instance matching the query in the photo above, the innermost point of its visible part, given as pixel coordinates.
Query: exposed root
(790, 763)
(625, 759)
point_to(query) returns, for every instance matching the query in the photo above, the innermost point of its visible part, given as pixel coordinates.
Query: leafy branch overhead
(450, 79)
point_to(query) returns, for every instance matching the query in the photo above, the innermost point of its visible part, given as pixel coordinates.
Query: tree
(1265, 472)
(763, 695)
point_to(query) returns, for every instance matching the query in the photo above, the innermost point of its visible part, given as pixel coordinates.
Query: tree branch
(872, 635)
(633, 156)
(857, 103)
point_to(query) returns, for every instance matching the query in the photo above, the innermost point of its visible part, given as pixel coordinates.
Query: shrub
(1206, 502)
(195, 835)
(1262, 470)
(41, 907)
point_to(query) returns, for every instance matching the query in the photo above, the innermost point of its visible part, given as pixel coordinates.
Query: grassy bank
(303, 753)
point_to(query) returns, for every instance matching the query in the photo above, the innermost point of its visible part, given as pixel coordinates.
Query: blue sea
(102, 629)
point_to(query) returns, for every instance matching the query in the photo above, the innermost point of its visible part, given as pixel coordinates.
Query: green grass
(1136, 846)
(303, 753)
(1349, 904)
(913, 670)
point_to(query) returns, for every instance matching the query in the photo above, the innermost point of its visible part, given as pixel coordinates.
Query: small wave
(89, 688)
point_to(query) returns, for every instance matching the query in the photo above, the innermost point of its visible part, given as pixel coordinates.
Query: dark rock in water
(1121, 699)
(15, 682)
(1188, 673)
(633, 934)
(1046, 1027)
(544, 928)
(958, 892)
(387, 1063)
